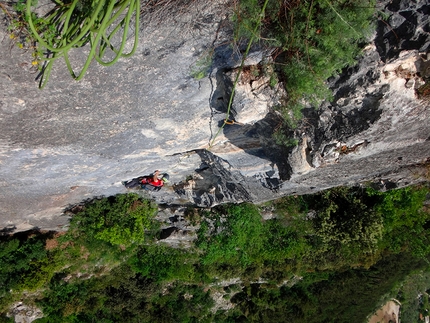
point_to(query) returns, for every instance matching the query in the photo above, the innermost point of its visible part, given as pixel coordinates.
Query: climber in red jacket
(152, 182)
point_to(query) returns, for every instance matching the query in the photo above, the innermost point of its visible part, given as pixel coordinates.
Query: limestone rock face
(23, 313)
(77, 140)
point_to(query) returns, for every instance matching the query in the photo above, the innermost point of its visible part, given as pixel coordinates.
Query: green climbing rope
(245, 55)
(80, 22)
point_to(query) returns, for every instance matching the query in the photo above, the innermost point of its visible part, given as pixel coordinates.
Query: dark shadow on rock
(343, 125)
(257, 140)
(7, 231)
(215, 183)
(384, 185)
(404, 30)
(357, 120)
(352, 109)
(76, 208)
(165, 233)
(221, 95)
(174, 218)
(341, 85)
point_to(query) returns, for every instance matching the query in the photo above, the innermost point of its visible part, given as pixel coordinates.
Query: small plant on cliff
(201, 67)
(73, 24)
(17, 27)
(313, 40)
(283, 140)
(423, 91)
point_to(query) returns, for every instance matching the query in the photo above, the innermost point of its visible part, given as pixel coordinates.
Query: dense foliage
(118, 220)
(25, 264)
(313, 40)
(326, 257)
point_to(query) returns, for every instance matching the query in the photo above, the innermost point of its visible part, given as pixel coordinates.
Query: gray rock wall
(77, 140)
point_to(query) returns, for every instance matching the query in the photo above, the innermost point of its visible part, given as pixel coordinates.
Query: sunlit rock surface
(74, 141)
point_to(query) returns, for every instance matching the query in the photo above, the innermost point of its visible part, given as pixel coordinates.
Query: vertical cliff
(77, 140)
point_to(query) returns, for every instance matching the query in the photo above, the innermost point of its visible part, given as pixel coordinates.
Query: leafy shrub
(124, 296)
(25, 265)
(346, 230)
(237, 242)
(405, 220)
(343, 218)
(118, 220)
(308, 249)
(412, 293)
(236, 236)
(354, 226)
(282, 139)
(284, 242)
(314, 39)
(161, 263)
(343, 296)
(182, 303)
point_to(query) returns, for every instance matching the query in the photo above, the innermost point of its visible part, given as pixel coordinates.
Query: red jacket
(151, 181)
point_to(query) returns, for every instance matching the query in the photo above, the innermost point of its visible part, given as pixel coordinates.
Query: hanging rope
(251, 40)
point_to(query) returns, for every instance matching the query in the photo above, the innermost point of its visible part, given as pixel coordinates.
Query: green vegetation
(282, 139)
(123, 296)
(423, 91)
(344, 296)
(413, 295)
(253, 36)
(102, 235)
(312, 41)
(201, 67)
(74, 24)
(331, 256)
(17, 26)
(119, 220)
(25, 265)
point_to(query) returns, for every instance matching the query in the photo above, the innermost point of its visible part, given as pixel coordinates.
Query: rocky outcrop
(76, 140)
(23, 313)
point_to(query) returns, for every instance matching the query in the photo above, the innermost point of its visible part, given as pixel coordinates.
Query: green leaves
(301, 259)
(344, 219)
(238, 239)
(315, 39)
(119, 220)
(25, 265)
(162, 263)
(405, 220)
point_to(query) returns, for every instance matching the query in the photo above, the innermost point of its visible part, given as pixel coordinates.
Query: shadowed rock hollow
(76, 140)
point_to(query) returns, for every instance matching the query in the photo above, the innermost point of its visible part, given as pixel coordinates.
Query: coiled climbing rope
(80, 22)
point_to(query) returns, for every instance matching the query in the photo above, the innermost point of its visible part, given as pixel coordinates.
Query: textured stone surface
(77, 140)
(23, 313)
